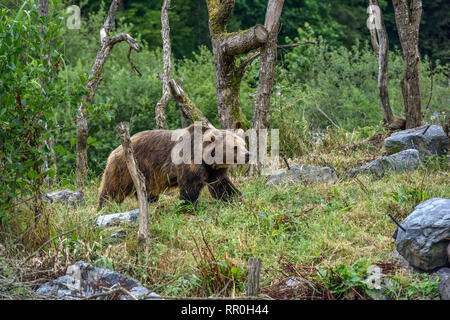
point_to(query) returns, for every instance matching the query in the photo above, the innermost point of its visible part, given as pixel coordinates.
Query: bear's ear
(212, 138)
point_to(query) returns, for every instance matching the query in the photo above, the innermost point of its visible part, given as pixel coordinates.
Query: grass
(205, 252)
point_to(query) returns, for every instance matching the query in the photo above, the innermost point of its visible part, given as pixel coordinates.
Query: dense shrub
(30, 94)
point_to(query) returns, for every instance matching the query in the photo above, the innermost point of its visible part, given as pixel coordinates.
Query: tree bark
(139, 183)
(267, 65)
(226, 46)
(161, 106)
(380, 44)
(106, 45)
(187, 107)
(253, 274)
(407, 18)
(183, 118)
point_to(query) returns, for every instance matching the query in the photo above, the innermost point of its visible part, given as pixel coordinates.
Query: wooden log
(253, 273)
(139, 183)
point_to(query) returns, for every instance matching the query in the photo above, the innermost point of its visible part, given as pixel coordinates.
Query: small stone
(300, 173)
(444, 283)
(448, 253)
(65, 197)
(117, 218)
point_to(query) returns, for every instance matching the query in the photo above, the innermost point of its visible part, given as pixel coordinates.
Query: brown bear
(168, 158)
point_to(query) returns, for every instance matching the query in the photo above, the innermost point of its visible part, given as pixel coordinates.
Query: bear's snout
(247, 157)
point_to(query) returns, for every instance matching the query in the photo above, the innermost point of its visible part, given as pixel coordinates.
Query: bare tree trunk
(407, 18)
(226, 46)
(139, 183)
(267, 65)
(187, 107)
(48, 162)
(106, 45)
(165, 34)
(380, 44)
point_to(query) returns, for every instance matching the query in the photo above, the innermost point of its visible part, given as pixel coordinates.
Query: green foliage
(411, 197)
(420, 287)
(341, 23)
(343, 280)
(30, 93)
(318, 87)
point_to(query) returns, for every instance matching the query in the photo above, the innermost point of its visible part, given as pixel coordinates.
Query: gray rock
(317, 138)
(300, 173)
(400, 260)
(117, 218)
(434, 141)
(65, 197)
(448, 253)
(84, 280)
(424, 243)
(444, 283)
(118, 235)
(402, 161)
(293, 282)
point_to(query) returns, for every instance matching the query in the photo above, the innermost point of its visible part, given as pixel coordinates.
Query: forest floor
(325, 236)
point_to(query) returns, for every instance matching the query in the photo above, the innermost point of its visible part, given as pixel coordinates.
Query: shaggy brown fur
(152, 150)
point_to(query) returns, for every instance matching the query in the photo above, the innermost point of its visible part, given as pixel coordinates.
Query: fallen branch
(110, 292)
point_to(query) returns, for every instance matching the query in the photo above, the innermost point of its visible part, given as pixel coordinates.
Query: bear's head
(223, 148)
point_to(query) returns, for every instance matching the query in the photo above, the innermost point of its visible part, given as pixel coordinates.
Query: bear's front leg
(191, 179)
(223, 188)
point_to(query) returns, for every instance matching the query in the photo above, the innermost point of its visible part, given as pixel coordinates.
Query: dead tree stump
(253, 272)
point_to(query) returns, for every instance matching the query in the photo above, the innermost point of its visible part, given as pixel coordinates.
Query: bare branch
(226, 6)
(295, 45)
(188, 107)
(110, 18)
(245, 63)
(223, 10)
(165, 34)
(244, 41)
(415, 12)
(133, 66)
(107, 43)
(273, 13)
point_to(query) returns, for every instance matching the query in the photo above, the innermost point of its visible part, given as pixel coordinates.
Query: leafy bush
(30, 93)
